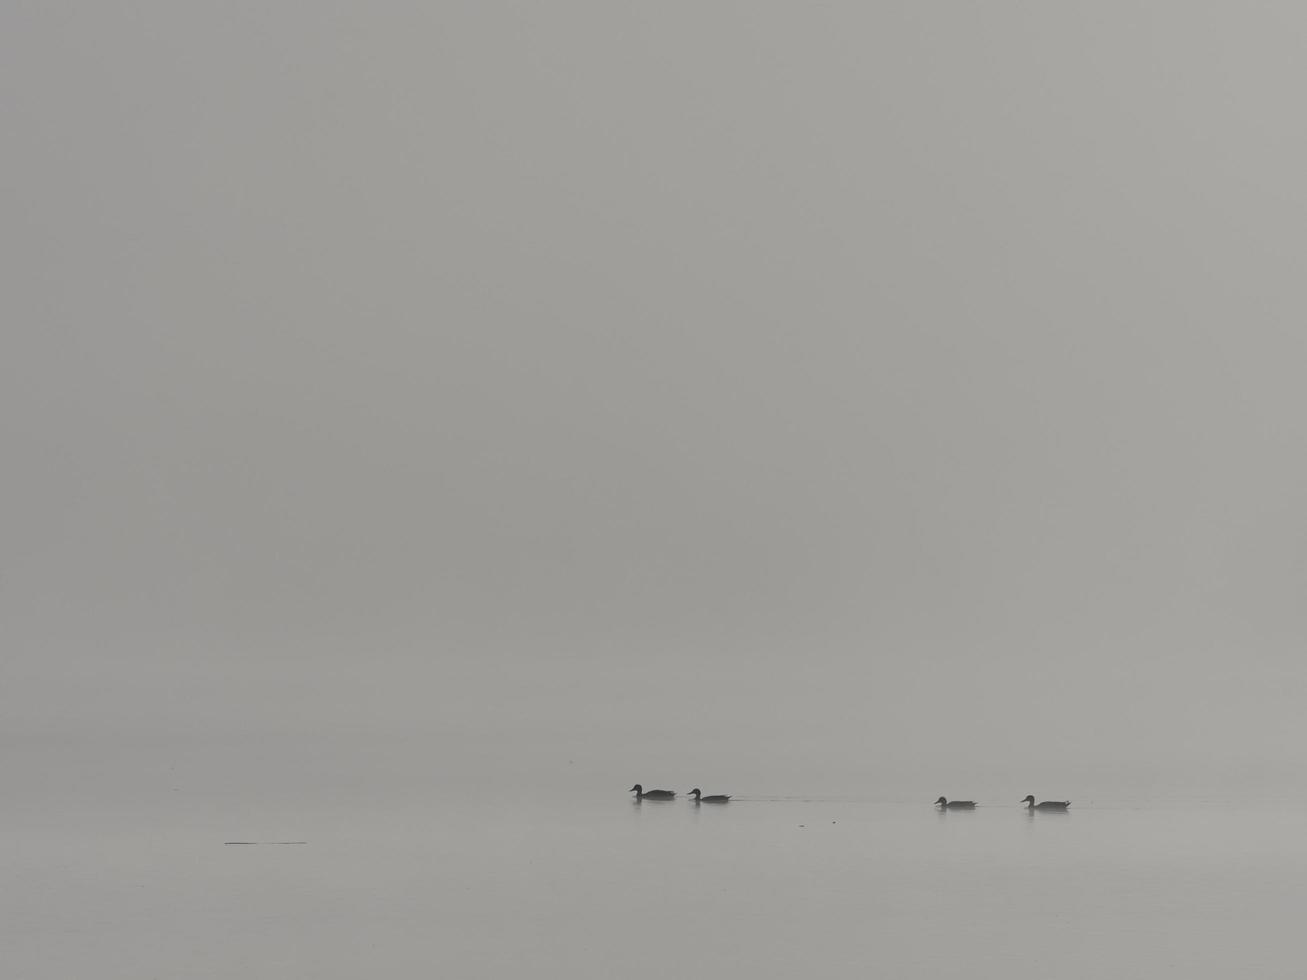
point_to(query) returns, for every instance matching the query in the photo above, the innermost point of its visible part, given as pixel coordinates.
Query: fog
(405, 397)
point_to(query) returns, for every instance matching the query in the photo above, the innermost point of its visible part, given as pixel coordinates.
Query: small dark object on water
(1030, 803)
(700, 798)
(653, 794)
(944, 804)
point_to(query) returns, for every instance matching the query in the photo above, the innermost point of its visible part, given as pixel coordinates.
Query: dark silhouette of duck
(944, 804)
(700, 798)
(653, 794)
(1030, 803)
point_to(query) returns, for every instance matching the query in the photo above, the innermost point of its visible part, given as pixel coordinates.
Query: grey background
(792, 395)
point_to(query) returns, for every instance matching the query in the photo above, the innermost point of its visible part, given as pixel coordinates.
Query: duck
(700, 798)
(1030, 803)
(653, 794)
(944, 804)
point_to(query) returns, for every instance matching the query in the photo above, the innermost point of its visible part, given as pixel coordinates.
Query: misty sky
(748, 374)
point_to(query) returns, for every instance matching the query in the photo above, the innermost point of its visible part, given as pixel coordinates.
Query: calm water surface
(595, 885)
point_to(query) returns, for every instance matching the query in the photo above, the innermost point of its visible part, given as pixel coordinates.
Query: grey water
(571, 877)
(422, 421)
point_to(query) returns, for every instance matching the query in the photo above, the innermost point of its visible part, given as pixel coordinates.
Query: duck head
(696, 793)
(637, 788)
(1028, 799)
(941, 801)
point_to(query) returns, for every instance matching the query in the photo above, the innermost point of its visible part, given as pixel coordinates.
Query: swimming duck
(700, 798)
(944, 804)
(653, 794)
(1030, 803)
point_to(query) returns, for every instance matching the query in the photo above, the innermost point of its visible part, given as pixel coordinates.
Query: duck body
(1030, 803)
(944, 804)
(700, 798)
(653, 794)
